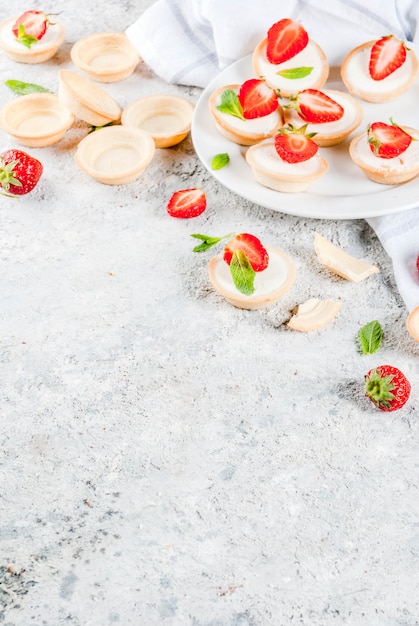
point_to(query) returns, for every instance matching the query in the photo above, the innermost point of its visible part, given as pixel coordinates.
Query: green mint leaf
(207, 241)
(295, 72)
(24, 38)
(220, 161)
(230, 104)
(22, 88)
(242, 273)
(370, 337)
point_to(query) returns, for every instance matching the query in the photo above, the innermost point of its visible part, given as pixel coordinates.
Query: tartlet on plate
(240, 130)
(356, 74)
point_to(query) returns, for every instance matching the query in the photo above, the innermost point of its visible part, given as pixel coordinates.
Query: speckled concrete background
(166, 458)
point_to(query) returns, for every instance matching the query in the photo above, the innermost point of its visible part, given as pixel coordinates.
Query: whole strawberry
(19, 172)
(387, 387)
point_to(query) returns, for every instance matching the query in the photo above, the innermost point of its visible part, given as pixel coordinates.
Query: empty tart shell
(105, 57)
(314, 314)
(312, 54)
(115, 155)
(332, 133)
(87, 100)
(36, 120)
(270, 171)
(412, 323)
(39, 52)
(392, 171)
(356, 77)
(167, 118)
(280, 273)
(243, 132)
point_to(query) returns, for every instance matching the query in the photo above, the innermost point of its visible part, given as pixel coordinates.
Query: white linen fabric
(189, 42)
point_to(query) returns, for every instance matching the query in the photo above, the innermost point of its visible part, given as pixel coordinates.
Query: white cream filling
(258, 125)
(350, 113)
(405, 161)
(7, 36)
(309, 57)
(357, 74)
(265, 282)
(267, 158)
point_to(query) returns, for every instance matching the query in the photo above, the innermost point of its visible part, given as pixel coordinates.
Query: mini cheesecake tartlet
(387, 153)
(246, 113)
(31, 37)
(380, 70)
(289, 162)
(289, 60)
(272, 273)
(332, 114)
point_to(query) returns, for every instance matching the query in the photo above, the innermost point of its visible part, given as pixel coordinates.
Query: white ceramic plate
(343, 193)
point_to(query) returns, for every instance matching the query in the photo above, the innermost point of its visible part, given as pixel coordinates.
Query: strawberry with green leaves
(316, 107)
(387, 387)
(254, 99)
(251, 247)
(387, 140)
(295, 145)
(285, 39)
(386, 56)
(30, 27)
(19, 172)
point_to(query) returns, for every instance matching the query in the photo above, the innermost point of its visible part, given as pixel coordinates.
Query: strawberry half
(285, 39)
(387, 387)
(294, 145)
(252, 247)
(316, 107)
(387, 140)
(30, 27)
(187, 203)
(19, 172)
(386, 56)
(257, 99)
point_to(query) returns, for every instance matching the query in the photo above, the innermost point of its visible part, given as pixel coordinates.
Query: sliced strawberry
(252, 247)
(187, 203)
(286, 38)
(387, 55)
(30, 27)
(257, 99)
(316, 107)
(387, 140)
(294, 145)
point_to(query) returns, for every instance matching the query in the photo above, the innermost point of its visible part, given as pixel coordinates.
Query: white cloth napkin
(189, 42)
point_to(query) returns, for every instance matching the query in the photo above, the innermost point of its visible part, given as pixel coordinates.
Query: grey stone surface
(165, 457)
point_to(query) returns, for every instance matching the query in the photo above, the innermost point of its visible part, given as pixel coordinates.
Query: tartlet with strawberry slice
(289, 60)
(380, 70)
(250, 275)
(31, 37)
(246, 113)
(331, 114)
(289, 162)
(387, 153)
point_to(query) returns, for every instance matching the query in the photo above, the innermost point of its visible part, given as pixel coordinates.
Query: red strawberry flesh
(252, 247)
(317, 107)
(294, 146)
(387, 55)
(186, 203)
(34, 24)
(285, 40)
(387, 140)
(257, 99)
